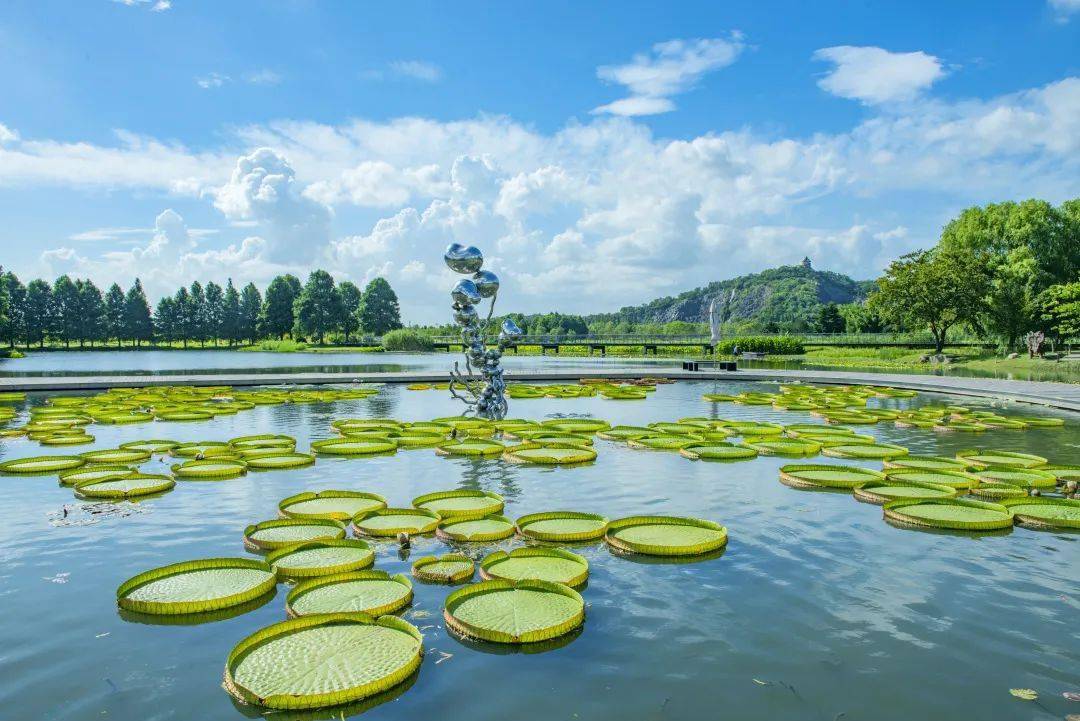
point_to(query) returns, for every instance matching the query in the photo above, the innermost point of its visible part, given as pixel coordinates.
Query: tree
(276, 317)
(350, 305)
(138, 323)
(214, 317)
(114, 313)
(92, 312)
(165, 319)
(198, 313)
(318, 308)
(250, 308)
(829, 319)
(185, 315)
(65, 305)
(14, 327)
(858, 318)
(379, 312)
(230, 314)
(936, 290)
(38, 311)
(1058, 308)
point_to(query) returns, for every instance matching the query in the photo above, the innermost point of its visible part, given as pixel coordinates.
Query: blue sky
(600, 153)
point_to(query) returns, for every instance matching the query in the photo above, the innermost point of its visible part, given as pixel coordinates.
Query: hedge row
(777, 345)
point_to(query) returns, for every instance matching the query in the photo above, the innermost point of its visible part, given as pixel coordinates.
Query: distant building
(806, 263)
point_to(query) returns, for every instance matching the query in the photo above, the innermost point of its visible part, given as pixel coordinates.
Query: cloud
(213, 80)
(262, 77)
(1064, 9)
(157, 6)
(875, 76)
(420, 70)
(265, 77)
(263, 188)
(672, 68)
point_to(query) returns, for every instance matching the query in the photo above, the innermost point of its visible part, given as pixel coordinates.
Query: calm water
(817, 610)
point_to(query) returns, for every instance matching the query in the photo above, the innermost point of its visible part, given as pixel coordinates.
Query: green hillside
(789, 296)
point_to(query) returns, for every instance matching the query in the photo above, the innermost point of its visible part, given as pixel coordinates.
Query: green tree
(379, 312)
(1059, 310)
(230, 314)
(199, 316)
(65, 315)
(186, 319)
(829, 319)
(250, 308)
(165, 319)
(38, 311)
(276, 317)
(858, 318)
(138, 323)
(214, 317)
(14, 328)
(936, 290)
(318, 307)
(350, 305)
(114, 313)
(92, 312)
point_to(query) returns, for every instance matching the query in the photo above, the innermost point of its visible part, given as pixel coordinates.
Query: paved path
(1056, 395)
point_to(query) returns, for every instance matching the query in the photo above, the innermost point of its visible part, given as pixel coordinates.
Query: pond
(817, 609)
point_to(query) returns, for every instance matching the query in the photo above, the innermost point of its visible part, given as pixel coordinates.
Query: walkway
(1056, 395)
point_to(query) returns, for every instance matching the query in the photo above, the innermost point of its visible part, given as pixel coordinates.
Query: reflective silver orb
(463, 259)
(465, 293)
(487, 283)
(511, 330)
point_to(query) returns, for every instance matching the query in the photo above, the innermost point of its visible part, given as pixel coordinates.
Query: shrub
(775, 344)
(406, 339)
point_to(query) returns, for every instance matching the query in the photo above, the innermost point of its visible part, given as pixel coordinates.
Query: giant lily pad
(471, 447)
(196, 586)
(718, 451)
(546, 564)
(154, 445)
(323, 660)
(451, 568)
(336, 505)
(826, 476)
(562, 526)
(321, 558)
(392, 521)
(783, 446)
(1025, 477)
(926, 463)
(865, 451)
(960, 514)
(488, 528)
(217, 469)
(117, 455)
(956, 479)
(563, 453)
(41, 464)
(668, 442)
(624, 433)
(281, 532)
(130, 486)
(987, 458)
(1043, 512)
(276, 460)
(578, 425)
(514, 612)
(460, 504)
(889, 490)
(372, 591)
(665, 535)
(349, 446)
(95, 473)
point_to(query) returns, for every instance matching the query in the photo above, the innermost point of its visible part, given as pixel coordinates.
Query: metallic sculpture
(486, 394)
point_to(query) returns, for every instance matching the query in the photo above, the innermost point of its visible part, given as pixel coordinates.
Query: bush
(775, 344)
(405, 339)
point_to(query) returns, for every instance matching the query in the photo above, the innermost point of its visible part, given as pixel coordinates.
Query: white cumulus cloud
(874, 75)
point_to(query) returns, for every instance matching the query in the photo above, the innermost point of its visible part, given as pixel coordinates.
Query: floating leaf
(1027, 694)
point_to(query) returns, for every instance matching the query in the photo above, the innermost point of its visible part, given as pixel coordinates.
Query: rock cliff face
(790, 293)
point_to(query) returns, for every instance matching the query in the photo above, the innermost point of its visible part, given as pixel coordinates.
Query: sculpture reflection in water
(485, 395)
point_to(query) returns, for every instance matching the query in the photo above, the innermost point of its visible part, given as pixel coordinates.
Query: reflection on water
(817, 609)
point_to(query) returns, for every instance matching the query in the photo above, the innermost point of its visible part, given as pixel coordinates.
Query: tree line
(75, 311)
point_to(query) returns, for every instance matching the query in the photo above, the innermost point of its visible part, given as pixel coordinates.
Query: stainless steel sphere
(465, 292)
(463, 259)
(487, 283)
(511, 330)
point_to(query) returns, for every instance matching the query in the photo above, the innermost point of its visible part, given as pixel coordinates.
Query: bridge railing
(702, 339)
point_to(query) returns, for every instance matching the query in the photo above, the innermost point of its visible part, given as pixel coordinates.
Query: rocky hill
(788, 294)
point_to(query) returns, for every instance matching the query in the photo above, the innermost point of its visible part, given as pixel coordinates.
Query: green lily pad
(1027, 478)
(550, 454)
(323, 660)
(95, 473)
(210, 468)
(117, 455)
(281, 532)
(956, 479)
(562, 526)
(865, 451)
(960, 514)
(451, 568)
(154, 445)
(718, 451)
(372, 591)
(392, 521)
(478, 447)
(987, 458)
(889, 490)
(783, 446)
(130, 486)
(321, 558)
(665, 535)
(926, 463)
(276, 460)
(460, 504)
(668, 442)
(514, 612)
(488, 528)
(1043, 512)
(336, 505)
(349, 446)
(624, 433)
(41, 464)
(546, 564)
(196, 586)
(827, 476)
